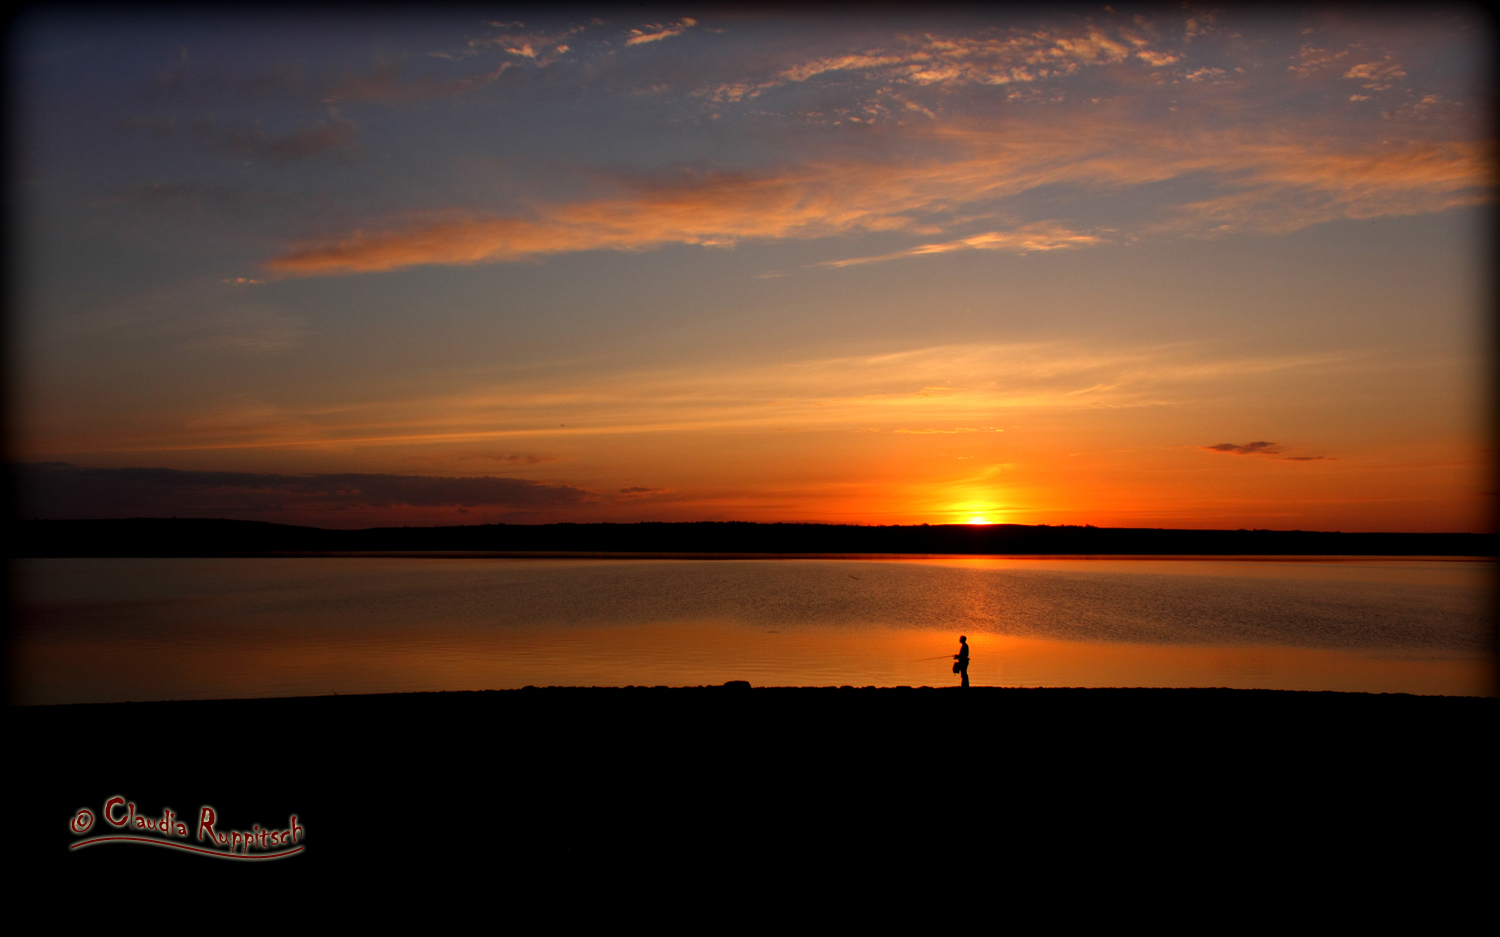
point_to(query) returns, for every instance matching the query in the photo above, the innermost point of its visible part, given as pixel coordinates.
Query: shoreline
(743, 686)
(589, 781)
(222, 537)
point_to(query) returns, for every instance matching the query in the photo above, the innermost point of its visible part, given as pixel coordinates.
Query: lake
(107, 630)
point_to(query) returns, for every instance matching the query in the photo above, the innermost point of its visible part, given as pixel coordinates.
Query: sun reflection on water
(100, 631)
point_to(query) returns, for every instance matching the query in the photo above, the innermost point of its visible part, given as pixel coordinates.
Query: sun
(977, 510)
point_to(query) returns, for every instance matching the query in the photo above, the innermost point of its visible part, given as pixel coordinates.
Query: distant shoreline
(596, 555)
(184, 537)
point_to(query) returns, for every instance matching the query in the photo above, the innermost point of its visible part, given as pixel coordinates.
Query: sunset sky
(1132, 266)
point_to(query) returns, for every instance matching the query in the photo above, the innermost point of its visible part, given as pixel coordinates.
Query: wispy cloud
(943, 390)
(841, 63)
(537, 47)
(1157, 59)
(1285, 186)
(1271, 449)
(1269, 185)
(1312, 60)
(1036, 237)
(1250, 448)
(1377, 76)
(1018, 56)
(657, 31)
(715, 211)
(636, 493)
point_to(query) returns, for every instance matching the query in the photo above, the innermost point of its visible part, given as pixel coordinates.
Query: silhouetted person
(963, 658)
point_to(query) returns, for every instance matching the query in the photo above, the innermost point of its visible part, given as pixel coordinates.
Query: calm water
(140, 629)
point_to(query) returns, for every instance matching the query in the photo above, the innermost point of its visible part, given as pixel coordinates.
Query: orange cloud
(1287, 187)
(1275, 183)
(1157, 59)
(842, 63)
(717, 211)
(892, 393)
(1023, 56)
(657, 32)
(1312, 60)
(1037, 237)
(1378, 76)
(863, 437)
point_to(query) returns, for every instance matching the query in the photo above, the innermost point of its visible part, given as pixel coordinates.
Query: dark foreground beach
(783, 784)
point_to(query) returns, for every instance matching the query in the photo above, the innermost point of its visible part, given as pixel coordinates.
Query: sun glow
(978, 513)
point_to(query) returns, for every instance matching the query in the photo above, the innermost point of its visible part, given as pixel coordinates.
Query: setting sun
(628, 374)
(957, 274)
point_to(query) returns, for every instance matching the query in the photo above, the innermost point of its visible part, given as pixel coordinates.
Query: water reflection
(103, 630)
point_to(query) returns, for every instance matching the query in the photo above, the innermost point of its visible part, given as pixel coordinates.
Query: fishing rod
(944, 657)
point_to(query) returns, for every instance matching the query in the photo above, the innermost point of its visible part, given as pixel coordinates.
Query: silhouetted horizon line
(642, 523)
(147, 536)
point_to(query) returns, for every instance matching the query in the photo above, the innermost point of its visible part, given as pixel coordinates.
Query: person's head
(962, 640)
